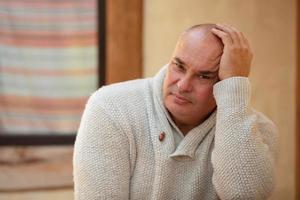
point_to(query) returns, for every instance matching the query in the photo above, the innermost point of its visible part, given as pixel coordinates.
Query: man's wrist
(233, 91)
(233, 75)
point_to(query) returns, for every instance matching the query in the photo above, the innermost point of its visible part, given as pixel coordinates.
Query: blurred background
(54, 54)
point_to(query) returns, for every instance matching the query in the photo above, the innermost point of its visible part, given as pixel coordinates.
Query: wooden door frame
(124, 39)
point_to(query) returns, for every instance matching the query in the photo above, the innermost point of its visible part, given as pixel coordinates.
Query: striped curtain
(48, 64)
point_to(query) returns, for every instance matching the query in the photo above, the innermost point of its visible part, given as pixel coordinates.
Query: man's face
(191, 74)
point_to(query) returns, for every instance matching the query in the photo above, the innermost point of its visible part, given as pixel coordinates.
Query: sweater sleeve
(245, 144)
(101, 166)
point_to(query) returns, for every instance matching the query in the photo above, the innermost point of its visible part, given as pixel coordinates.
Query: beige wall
(270, 27)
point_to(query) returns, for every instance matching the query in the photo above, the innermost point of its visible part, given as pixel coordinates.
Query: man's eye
(204, 77)
(179, 66)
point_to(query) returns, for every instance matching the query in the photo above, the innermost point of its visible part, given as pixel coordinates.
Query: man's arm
(245, 144)
(101, 157)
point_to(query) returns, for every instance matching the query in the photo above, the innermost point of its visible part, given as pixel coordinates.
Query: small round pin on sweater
(162, 136)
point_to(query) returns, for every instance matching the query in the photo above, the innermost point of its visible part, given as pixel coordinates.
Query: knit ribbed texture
(118, 153)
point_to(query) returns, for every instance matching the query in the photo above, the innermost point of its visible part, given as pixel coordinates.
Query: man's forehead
(190, 52)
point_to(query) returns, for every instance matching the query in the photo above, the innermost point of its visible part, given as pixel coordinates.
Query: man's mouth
(181, 99)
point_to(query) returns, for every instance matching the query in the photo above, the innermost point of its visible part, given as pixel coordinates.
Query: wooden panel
(124, 40)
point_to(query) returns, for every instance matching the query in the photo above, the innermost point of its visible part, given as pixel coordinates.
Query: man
(187, 133)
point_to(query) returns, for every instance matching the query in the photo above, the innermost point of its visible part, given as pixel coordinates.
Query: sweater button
(162, 136)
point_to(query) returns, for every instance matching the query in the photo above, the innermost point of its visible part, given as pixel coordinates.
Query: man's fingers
(238, 38)
(235, 34)
(245, 41)
(232, 32)
(225, 37)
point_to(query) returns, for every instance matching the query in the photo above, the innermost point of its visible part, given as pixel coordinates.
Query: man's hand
(237, 55)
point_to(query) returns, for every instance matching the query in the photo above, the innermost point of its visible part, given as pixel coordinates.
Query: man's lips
(181, 99)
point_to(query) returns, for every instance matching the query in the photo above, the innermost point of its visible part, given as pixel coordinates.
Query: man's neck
(185, 128)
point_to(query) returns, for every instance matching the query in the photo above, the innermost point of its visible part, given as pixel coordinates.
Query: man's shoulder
(123, 94)
(126, 85)
(123, 89)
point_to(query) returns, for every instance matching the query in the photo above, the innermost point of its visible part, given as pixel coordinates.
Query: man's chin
(179, 109)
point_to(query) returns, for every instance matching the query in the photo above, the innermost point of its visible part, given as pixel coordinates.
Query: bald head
(201, 32)
(201, 27)
(199, 43)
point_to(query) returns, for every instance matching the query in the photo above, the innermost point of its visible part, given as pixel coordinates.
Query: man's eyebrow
(204, 72)
(179, 61)
(207, 72)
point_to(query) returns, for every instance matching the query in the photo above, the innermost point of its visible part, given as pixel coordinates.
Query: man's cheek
(205, 94)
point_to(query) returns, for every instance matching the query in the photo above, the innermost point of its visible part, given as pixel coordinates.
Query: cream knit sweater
(118, 154)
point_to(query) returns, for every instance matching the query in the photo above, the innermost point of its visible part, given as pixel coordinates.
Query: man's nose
(184, 84)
